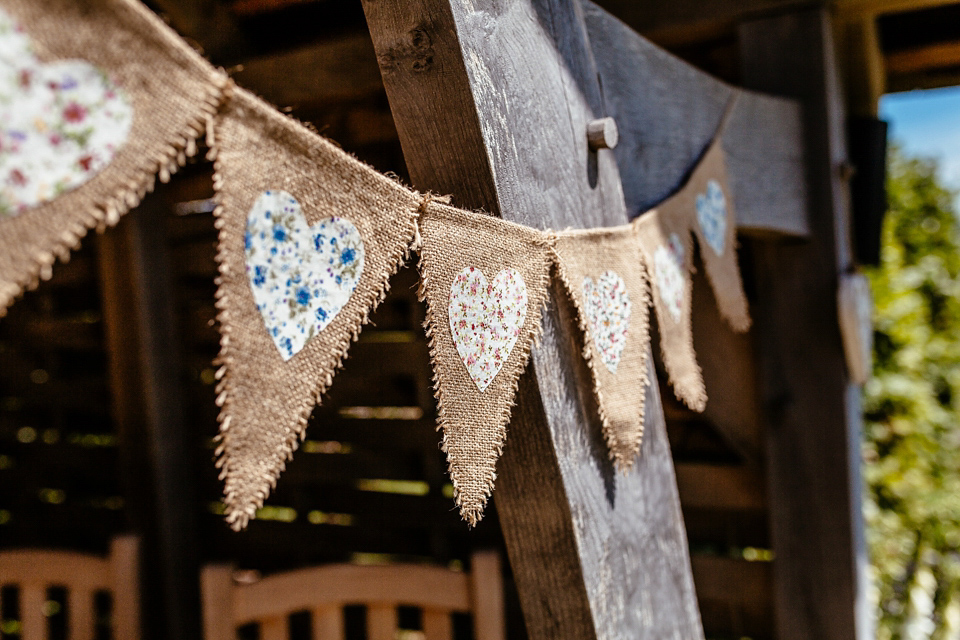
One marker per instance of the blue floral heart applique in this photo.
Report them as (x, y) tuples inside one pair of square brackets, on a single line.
[(301, 275), (712, 217)]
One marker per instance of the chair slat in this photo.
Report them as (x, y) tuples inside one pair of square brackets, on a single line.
[(486, 593), (381, 621), (328, 623), (32, 598), (274, 629), (437, 625), (80, 614)]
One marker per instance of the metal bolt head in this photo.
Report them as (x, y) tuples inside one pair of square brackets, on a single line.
[(603, 134)]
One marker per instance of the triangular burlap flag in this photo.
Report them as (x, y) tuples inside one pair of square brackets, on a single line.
[(707, 199), (485, 282), (98, 97), (603, 272), (667, 246), (309, 238)]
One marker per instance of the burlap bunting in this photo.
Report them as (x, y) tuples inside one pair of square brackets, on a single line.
[(707, 197), (667, 246), (485, 282), (88, 122), (603, 273), (309, 238)]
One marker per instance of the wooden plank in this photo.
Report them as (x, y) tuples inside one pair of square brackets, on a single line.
[(216, 587), (381, 622), (342, 69), (437, 625), (931, 57), (126, 580), (486, 595), (813, 412), (274, 629), (491, 104), (664, 130), (33, 622), (328, 623), (206, 22), (682, 22), (730, 580), (707, 486), (80, 612), (388, 585)]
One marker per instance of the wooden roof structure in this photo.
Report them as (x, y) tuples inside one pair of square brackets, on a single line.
[(104, 428)]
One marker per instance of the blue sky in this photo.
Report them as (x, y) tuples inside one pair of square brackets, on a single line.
[(927, 123)]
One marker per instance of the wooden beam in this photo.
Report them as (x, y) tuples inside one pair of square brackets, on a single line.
[(706, 486), (342, 69), (491, 102), (931, 57), (208, 23), (664, 130), (861, 58), (811, 408), (681, 22), (157, 451)]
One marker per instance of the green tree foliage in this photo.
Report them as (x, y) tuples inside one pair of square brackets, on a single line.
[(912, 423)]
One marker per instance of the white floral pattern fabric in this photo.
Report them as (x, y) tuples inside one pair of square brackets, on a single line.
[(712, 216), (486, 319), (668, 270), (301, 275), (608, 313), (61, 123)]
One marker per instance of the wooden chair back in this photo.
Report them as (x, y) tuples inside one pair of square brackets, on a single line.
[(325, 590), (83, 576)]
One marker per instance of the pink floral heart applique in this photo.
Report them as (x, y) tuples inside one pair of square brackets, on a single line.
[(486, 320), (61, 123), (607, 305), (668, 273)]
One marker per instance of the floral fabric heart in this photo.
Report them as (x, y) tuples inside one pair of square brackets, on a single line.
[(61, 123), (712, 216), (301, 275), (486, 319), (668, 270), (607, 304)]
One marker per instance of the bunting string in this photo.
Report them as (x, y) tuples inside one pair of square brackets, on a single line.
[(309, 238)]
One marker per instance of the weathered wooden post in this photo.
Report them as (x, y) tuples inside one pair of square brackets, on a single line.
[(493, 103)]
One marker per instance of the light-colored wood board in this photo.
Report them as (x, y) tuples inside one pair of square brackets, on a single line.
[(381, 622), (55, 567), (216, 587), (328, 623), (413, 585), (486, 594), (437, 625), (496, 114), (668, 112), (126, 579)]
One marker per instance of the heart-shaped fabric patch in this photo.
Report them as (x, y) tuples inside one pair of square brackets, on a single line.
[(668, 269), (60, 123), (301, 275), (486, 319), (608, 311), (712, 216)]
